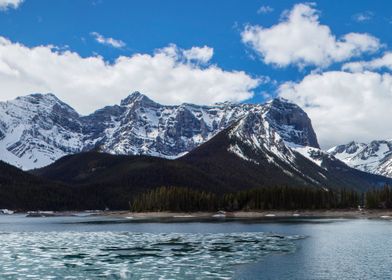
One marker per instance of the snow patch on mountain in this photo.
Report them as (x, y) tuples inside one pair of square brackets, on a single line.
[(311, 154), (374, 157), (235, 149), (38, 129)]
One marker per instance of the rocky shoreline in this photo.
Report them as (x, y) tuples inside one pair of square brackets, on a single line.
[(347, 214), (244, 215)]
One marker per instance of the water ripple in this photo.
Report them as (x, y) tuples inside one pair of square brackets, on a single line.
[(124, 255)]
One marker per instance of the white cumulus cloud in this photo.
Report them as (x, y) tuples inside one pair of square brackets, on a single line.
[(9, 4), (345, 106), (88, 83), (203, 54), (107, 41), (382, 62), (299, 39)]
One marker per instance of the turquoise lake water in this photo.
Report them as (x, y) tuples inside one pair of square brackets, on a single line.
[(102, 248)]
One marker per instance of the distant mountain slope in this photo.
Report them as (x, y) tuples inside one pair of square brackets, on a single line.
[(112, 180), (20, 190), (131, 172), (374, 157)]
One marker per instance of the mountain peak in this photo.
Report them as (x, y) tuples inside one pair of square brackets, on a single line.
[(43, 95), (350, 148), (291, 122), (41, 103), (37, 97), (136, 97), (280, 102)]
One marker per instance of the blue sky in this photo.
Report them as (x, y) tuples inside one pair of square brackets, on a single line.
[(83, 28), (150, 24)]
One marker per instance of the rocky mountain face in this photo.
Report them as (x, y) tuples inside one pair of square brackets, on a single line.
[(291, 122), (37, 129), (141, 126), (374, 157)]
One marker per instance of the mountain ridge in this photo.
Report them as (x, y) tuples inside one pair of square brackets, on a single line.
[(48, 129), (38, 129), (374, 157)]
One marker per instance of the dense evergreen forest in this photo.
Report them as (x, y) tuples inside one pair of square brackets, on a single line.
[(274, 198), (379, 198)]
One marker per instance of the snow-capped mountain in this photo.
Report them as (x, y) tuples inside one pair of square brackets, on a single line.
[(259, 139), (283, 129), (141, 126), (37, 129), (283, 136), (275, 129), (374, 157)]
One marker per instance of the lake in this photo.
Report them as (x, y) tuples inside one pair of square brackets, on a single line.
[(107, 248)]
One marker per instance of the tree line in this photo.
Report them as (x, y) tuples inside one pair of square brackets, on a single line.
[(379, 198), (274, 198)]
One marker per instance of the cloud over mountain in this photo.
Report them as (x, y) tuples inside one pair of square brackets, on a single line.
[(170, 75)]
